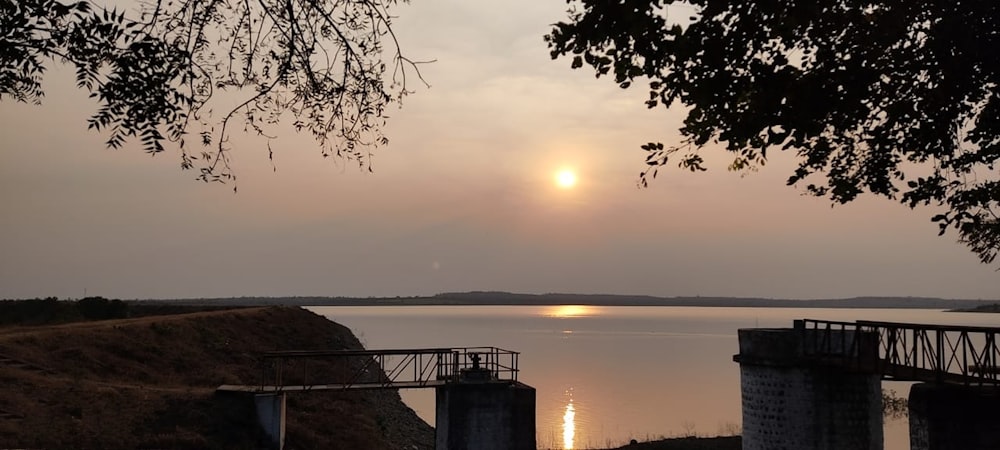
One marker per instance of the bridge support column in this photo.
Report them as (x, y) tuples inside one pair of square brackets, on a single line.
[(948, 417), (791, 403), (486, 416), (271, 417)]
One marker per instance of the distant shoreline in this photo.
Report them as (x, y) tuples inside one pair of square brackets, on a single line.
[(505, 298), (987, 308)]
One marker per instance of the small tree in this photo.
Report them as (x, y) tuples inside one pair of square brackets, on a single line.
[(900, 98)]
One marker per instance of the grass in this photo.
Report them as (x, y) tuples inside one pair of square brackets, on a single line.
[(149, 382)]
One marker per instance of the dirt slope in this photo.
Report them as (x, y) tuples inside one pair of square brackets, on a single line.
[(149, 383)]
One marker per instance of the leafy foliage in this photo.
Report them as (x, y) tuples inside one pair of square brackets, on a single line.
[(894, 406), (900, 98), (330, 67)]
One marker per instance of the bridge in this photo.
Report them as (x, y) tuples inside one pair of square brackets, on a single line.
[(818, 385), (480, 402), (906, 352), (338, 370)]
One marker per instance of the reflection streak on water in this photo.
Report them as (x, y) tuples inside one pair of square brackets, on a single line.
[(569, 425), (564, 311)]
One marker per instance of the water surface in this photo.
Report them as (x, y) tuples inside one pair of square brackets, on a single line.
[(604, 375)]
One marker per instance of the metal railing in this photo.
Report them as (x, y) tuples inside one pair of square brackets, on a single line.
[(303, 370), (905, 351)]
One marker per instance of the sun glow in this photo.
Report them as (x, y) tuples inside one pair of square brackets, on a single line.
[(570, 311), (569, 425), (566, 178)]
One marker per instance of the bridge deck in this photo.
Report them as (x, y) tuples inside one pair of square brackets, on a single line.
[(259, 389), (898, 372), (302, 371), (967, 355)]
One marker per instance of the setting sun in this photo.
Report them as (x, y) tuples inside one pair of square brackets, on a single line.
[(565, 178)]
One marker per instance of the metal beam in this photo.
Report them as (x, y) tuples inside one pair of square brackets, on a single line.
[(337, 370), (914, 352)]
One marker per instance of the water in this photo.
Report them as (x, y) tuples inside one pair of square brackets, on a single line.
[(604, 375)]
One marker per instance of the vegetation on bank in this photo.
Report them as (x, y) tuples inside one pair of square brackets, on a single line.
[(990, 308), (51, 310), (149, 382), (688, 443)]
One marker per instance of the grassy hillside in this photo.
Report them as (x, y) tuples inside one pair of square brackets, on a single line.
[(149, 382)]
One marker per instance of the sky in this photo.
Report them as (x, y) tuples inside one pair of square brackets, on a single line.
[(463, 198)]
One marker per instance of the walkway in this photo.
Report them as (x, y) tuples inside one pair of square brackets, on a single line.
[(906, 352), (337, 370)]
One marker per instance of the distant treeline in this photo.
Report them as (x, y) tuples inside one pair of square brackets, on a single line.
[(52, 310), (990, 308), (507, 298)]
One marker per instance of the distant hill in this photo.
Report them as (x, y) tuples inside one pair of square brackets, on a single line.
[(507, 298)]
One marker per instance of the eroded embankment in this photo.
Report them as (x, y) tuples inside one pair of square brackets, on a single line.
[(149, 383)]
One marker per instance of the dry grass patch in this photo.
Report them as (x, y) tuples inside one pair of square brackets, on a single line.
[(149, 383)]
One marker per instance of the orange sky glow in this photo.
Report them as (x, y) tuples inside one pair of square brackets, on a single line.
[(466, 196)]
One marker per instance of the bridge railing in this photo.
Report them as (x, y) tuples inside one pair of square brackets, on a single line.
[(914, 352), (824, 338), (500, 363), (392, 368)]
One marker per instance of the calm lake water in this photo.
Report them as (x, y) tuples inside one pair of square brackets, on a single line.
[(605, 375)]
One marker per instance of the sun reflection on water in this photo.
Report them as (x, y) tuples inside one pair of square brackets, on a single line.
[(570, 311), (569, 425)]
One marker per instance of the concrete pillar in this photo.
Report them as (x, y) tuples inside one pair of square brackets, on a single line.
[(944, 417), (791, 404), (271, 417), (488, 415)]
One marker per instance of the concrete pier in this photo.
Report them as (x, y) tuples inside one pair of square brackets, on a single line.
[(948, 417), (790, 402), (271, 417), (483, 414)]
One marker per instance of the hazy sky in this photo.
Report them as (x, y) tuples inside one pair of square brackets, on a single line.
[(463, 198)]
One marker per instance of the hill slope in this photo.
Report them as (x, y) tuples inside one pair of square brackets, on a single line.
[(149, 383)]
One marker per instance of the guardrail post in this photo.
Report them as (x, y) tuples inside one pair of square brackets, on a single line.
[(939, 335), (271, 417)]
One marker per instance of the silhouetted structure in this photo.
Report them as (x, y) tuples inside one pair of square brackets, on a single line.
[(480, 403), (818, 385)]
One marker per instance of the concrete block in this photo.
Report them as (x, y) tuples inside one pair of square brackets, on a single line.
[(485, 416)]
